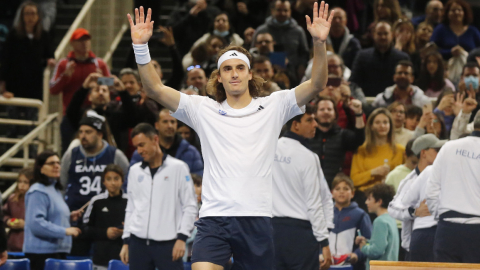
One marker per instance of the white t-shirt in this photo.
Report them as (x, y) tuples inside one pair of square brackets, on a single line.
[(238, 147)]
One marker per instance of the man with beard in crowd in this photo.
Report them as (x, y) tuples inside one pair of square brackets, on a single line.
[(332, 142), (403, 90)]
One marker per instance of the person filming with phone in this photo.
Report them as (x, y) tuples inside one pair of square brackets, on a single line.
[(97, 90)]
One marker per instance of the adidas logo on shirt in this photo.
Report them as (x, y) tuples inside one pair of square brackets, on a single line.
[(105, 209), (233, 54), (260, 108)]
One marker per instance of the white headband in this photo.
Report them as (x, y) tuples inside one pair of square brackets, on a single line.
[(233, 55)]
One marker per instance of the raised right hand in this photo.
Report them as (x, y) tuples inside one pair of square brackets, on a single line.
[(91, 78), (73, 231), (469, 104), (142, 30)]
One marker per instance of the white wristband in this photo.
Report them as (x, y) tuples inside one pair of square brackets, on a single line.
[(142, 54)]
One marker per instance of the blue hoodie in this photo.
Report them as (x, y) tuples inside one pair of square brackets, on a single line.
[(47, 217), (342, 237), (186, 153)]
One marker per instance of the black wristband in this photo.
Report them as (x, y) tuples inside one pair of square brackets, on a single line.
[(359, 114)]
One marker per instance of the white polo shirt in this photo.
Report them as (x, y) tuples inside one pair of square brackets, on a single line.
[(238, 147)]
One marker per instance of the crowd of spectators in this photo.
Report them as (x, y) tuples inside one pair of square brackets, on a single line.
[(396, 73)]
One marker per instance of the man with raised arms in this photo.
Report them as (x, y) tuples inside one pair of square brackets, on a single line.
[(238, 133)]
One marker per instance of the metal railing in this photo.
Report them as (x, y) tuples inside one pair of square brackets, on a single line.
[(52, 139)]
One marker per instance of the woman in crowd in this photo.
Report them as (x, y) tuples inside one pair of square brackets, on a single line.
[(221, 28), (404, 34), (434, 123), (47, 219), (423, 35), (14, 210), (383, 10), (432, 78), (448, 108), (377, 156), (455, 36), (404, 40), (26, 52), (401, 134)]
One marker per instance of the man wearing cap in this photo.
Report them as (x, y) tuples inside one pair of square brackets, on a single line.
[(452, 196), (82, 169), (239, 132), (70, 72), (422, 239), (426, 148)]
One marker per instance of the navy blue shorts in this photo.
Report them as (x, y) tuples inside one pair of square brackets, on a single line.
[(248, 239)]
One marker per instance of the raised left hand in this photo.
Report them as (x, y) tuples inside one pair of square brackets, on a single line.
[(320, 26)]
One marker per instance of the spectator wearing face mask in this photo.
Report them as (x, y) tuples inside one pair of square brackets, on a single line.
[(221, 28), (402, 91), (469, 84)]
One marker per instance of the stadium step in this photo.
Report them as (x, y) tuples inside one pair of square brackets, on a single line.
[(67, 11)]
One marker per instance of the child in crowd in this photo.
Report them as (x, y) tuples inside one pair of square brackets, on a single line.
[(348, 218), (104, 218), (412, 117), (14, 211), (384, 243), (401, 171)]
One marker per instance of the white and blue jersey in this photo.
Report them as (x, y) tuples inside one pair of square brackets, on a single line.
[(85, 175)]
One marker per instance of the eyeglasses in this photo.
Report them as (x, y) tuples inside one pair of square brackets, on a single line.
[(192, 67), (53, 163)]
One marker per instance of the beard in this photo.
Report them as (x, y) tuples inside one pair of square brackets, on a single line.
[(325, 124), (402, 84)]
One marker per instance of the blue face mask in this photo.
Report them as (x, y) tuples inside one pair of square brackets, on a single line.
[(222, 34), (471, 80), (284, 23)]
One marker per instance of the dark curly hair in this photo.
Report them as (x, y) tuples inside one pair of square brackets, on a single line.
[(216, 88), (381, 191)]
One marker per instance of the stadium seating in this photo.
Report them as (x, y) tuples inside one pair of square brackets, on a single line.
[(21, 264), (117, 265), (55, 264)]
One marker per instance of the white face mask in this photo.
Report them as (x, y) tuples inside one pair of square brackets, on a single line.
[(222, 34)]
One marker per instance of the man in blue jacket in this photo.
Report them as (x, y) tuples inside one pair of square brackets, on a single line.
[(173, 144)]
